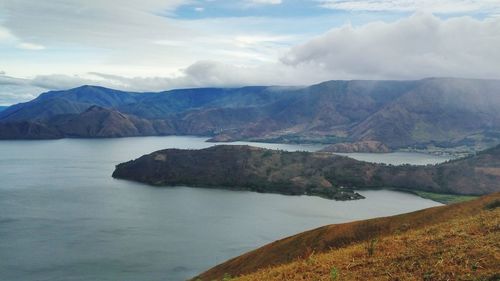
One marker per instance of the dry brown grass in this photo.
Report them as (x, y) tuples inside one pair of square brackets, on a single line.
[(455, 242), (461, 249)]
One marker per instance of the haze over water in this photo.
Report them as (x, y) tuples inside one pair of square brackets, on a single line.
[(62, 216)]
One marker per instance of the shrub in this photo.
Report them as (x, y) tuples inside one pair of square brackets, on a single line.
[(334, 274), (492, 205), (370, 246)]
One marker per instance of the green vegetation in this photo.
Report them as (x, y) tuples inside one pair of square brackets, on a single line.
[(492, 205), (370, 246), (334, 274)]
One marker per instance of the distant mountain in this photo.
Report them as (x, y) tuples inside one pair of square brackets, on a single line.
[(99, 122), (73, 101), (28, 130), (438, 111), (2, 108), (145, 105), (322, 174), (446, 111)]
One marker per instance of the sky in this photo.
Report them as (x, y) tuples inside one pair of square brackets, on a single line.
[(156, 45)]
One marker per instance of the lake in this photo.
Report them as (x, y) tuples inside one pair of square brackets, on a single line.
[(63, 217)]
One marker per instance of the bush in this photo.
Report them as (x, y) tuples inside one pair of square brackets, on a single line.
[(370, 246), (334, 274), (492, 205)]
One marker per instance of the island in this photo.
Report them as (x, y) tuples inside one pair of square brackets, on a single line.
[(240, 167)]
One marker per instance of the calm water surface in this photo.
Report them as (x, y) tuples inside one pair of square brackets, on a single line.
[(398, 158), (62, 216)]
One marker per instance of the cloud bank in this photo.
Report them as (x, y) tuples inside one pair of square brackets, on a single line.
[(434, 6), (419, 46)]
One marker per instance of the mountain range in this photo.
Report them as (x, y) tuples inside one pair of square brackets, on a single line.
[(446, 112)]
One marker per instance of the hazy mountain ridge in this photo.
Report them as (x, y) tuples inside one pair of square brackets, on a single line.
[(440, 111)]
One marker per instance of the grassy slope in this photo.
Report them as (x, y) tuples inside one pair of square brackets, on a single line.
[(460, 239), (462, 249)]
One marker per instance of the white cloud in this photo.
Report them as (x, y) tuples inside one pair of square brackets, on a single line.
[(420, 46), (435, 6), (14, 90), (265, 2), (133, 38), (31, 46), (7, 37), (212, 52), (5, 34), (94, 23), (11, 94)]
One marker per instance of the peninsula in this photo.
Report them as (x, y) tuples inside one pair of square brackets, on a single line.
[(304, 173)]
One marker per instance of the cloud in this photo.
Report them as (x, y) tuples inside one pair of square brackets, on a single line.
[(5, 34), (93, 22), (11, 94), (14, 90), (420, 46), (441, 6), (31, 46), (268, 2), (135, 38)]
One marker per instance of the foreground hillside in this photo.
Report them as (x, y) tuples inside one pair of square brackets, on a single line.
[(441, 112), (295, 173), (455, 242)]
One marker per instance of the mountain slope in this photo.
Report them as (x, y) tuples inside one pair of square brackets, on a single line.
[(28, 130), (166, 104), (73, 101), (453, 242), (437, 110), (94, 122), (100, 122), (329, 108), (145, 105)]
